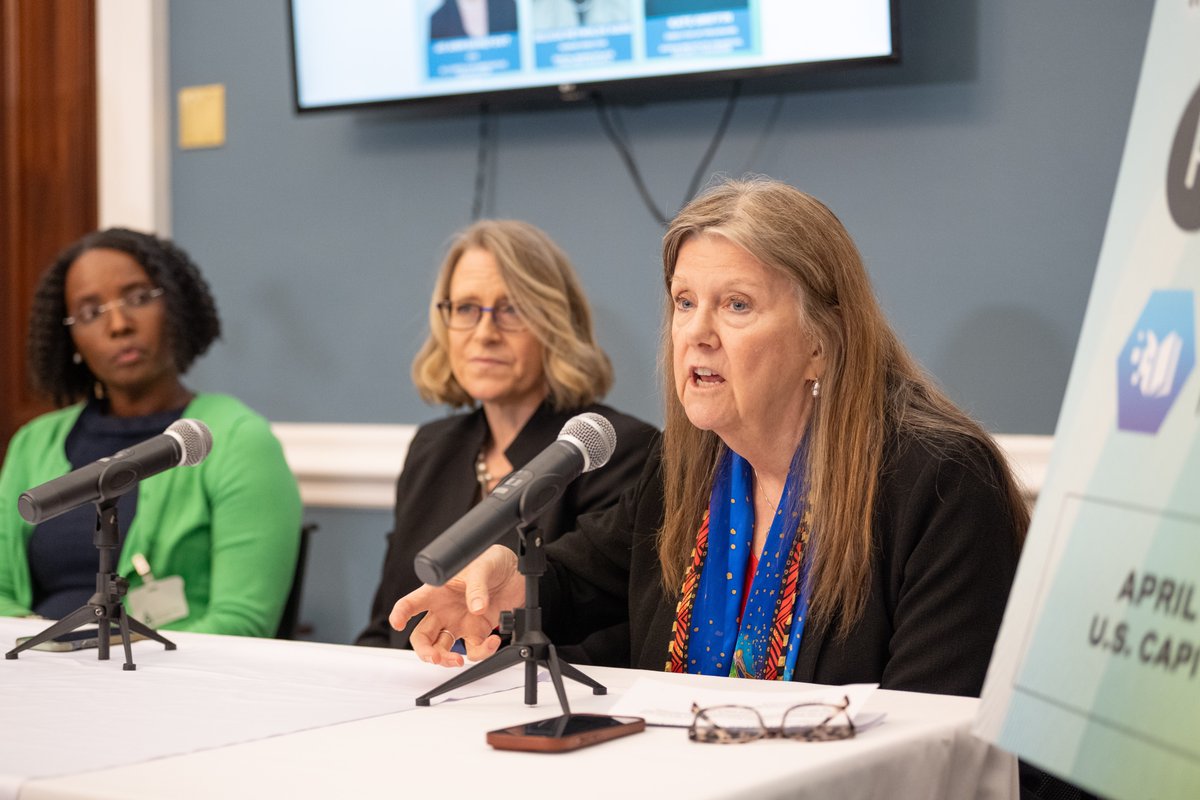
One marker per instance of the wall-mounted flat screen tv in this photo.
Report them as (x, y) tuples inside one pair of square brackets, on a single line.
[(365, 52)]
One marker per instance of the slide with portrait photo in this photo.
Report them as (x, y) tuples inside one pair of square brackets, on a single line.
[(383, 50)]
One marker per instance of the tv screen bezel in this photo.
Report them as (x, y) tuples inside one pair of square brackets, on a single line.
[(635, 90)]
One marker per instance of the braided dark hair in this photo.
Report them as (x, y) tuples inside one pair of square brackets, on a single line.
[(191, 319)]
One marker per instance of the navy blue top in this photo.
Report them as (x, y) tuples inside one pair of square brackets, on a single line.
[(63, 559)]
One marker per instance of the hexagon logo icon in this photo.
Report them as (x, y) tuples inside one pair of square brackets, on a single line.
[(1157, 358)]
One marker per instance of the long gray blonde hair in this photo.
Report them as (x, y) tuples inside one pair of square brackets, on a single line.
[(872, 386)]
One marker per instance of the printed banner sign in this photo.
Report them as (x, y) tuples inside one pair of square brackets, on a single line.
[(1096, 674)]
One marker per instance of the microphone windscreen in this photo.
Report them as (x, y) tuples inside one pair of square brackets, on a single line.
[(194, 438), (594, 436)]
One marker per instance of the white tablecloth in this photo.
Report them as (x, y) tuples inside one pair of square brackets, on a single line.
[(229, 717)]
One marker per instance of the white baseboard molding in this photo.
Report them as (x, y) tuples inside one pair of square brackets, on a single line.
[(1029, 457), (356, 466), (345, 466)]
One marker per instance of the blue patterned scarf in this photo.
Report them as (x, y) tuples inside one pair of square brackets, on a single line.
[(717, 644)]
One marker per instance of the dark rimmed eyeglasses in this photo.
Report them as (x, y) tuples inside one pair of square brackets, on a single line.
[(133, 299), (465, 316), (805, 722)]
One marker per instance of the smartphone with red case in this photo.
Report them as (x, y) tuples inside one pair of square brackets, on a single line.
[(568, 732), (80, 639)]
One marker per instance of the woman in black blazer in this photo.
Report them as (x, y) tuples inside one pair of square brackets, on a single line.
[(511, 336)]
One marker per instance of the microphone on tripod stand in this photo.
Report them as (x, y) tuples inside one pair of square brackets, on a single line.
[(585, 443), (186, 442)]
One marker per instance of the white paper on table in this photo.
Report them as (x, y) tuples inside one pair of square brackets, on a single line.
[(670, 704)]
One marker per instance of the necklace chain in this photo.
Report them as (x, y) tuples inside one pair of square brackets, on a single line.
[(482, 474), (762, 492)]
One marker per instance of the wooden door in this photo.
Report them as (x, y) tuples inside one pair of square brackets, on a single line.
[(48, 174)]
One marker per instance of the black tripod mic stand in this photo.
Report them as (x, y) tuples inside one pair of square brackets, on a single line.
[(529, 643), (104, 607)]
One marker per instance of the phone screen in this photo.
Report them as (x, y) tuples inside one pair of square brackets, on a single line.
[(83, 634), (76, 640), (573, 725)]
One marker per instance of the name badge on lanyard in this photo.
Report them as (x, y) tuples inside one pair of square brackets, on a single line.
[(156, 602)]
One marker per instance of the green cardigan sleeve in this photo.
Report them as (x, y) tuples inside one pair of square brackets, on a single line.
[(15, 595), (35, 455), (230, 527)]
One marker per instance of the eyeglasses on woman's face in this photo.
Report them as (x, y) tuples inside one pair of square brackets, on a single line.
[(806, 722), (465, 316), (133, 299)]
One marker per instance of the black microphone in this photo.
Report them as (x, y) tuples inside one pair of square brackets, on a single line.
[(185, 443), (585, 443)]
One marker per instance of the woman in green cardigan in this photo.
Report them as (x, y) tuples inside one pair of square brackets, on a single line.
[(117, 320)]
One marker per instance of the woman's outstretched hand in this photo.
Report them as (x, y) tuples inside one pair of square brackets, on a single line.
[(467, 607)]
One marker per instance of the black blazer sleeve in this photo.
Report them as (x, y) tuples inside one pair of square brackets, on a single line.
[(607, 571), (426, 504), (438, 485), (945, 553), (949, 556)]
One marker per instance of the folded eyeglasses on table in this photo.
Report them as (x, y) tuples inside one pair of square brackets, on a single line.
[(806, 722)]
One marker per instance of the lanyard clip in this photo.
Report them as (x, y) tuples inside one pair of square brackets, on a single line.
[(142, 566)]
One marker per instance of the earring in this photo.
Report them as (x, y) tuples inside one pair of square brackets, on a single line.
[(816, 388), (77, 358)]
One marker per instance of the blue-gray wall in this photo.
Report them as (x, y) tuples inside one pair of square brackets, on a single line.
[(976, 178)]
